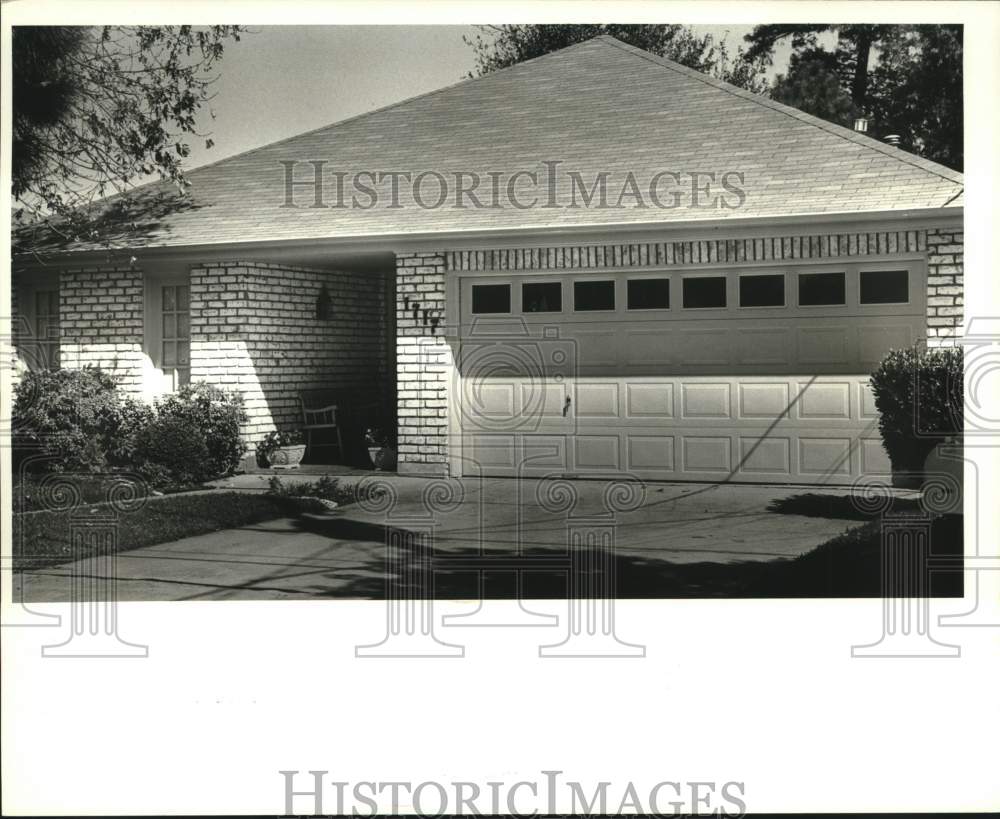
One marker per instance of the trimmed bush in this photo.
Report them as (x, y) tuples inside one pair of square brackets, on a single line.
[(171, 452), (70, 415), (918, 393), (217, 415)]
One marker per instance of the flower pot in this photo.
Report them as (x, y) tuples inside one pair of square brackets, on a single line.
[(287, 457), (383, 458)]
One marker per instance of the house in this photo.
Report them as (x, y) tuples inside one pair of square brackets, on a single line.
[(594, 261)]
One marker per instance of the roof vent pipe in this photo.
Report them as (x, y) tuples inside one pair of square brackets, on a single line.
[(861, 125), (892, 139)]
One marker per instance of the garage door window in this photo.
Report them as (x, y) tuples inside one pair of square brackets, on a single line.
[(704, 291), (884, 287), (491, 298), (648, 294), (594, 295), (541, 297), (762, 291), (826, 289)]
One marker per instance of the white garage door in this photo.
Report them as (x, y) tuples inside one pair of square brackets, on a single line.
[(755, 375)]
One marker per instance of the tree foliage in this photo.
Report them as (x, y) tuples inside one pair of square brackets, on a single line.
[(813, 84), (907, 79), (501, 46), (97, 109)]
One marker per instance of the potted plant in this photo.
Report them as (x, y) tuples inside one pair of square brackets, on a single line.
[(282, 450), (380, 448)]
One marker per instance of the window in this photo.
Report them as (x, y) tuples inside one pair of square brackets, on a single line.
[(47, 328), (648, 294), (594, 295), (541, 297), (704, 291), (884, 287), (176, 333), (762, 291), (491, 298), (821, 289)]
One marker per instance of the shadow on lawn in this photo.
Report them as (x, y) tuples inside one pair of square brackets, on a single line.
[(846, 566)]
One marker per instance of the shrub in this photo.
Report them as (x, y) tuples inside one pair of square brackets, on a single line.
[(172, 452), (70, 415), (134, 417), (918, 393), (217, 415)]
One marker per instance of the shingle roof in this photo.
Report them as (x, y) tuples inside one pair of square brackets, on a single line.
[(599, 106)]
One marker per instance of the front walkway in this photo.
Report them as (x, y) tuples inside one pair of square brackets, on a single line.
[(684, 540)]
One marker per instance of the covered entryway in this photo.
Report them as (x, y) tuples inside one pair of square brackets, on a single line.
[(756, 374)]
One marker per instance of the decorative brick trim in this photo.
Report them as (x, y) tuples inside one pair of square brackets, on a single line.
[(711, 251)]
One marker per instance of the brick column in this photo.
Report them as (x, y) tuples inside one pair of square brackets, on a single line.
[(945, 304), (423, 364)]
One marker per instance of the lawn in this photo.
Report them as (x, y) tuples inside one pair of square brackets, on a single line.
[(42, 533), (42, 538)]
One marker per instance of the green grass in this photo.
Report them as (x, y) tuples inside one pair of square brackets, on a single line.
[(42, 538)]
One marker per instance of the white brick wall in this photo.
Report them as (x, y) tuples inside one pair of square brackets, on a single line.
[(254, 328), (100, 320)]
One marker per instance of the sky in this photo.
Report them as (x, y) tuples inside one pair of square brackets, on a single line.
[(279, 81)]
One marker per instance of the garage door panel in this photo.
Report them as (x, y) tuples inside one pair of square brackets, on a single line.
[(700, 348), (649, 400), (650, 455), (819, 401), (597, 400), (823, 345), (701, 401), (707, 453), (824, 456), (769, 456), (597, 452), (764, 346), (649, 348), (765, 401)]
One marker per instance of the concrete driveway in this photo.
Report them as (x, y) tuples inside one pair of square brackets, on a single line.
[(682, 540)]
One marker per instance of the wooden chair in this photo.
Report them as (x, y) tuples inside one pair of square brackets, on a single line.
[(316, 414)]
